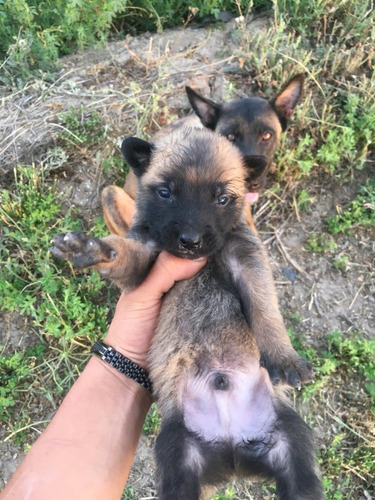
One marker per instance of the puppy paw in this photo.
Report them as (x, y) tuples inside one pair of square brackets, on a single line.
[(292, 371), (81, 250)]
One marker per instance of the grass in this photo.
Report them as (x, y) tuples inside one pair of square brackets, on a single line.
[(359, 212), (320, 243), (67, 310), (345, 358), (328, 143), (34, 33)]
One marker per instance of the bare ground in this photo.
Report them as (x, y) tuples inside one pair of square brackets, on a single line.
[(316, 298)]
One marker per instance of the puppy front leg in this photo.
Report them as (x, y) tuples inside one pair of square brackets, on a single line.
[(252, 277), (124, 261)]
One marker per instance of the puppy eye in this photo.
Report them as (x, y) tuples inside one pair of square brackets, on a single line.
[(164, 193), (231, 137), (267, 136), (223, 200)]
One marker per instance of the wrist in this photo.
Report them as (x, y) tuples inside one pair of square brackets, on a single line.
[(138, 357), (112, 380), (122, 364)]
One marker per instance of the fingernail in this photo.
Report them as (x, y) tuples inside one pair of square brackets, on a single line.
[(200, 259)]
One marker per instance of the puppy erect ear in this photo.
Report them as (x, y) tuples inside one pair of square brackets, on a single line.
[(286, 100), (137, 153), (207, 111)]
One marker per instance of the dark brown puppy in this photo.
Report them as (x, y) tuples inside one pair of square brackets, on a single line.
[(220, 347), (253, 124)]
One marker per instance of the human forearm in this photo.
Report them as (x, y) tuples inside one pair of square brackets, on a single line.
[(87, 450)]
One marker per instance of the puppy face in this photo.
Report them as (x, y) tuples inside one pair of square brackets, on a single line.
[(252, 124), (253, 127), (191, 190)]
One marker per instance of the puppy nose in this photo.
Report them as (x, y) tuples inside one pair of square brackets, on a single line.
[(258, 163), (190, 241)]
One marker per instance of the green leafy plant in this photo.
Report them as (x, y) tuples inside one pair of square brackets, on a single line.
[(304, 200), (61, 304), (341, 263), (15, 370), (355, 355), (320, 243), (228, 494), (361, 211), (152, 422), (33, 33), (128, 494), (82, 127)]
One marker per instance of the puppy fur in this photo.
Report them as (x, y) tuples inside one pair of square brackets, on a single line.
[(220, 357)]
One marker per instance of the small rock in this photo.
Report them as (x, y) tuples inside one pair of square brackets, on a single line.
[(291, 275)]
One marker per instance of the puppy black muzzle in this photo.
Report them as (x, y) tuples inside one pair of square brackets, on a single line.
[(257, 168)]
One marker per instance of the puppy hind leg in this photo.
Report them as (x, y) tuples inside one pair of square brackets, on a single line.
[(178, 463), (118, 210), (292, 459)]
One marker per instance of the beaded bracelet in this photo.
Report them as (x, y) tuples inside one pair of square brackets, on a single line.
[(122, 364)]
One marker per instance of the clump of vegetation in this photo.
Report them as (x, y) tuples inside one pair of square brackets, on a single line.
[(60, 304), (320, 243), (152, 422), (228, 494), (128, 494), (354, 355), (33, 33), (341, 263), (344, 358), (360, 212), (82, 128), (66, 309)]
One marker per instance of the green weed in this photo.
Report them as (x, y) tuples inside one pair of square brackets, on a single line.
[(341, 263), (351, 355), (152, 422), (82, 127), (128, 494), (228, 494), (360, 212), (33, 33), (63, 306), (354, 354), (344, 358), (349, 143), (339, 458), (322, 21), (320, 243), (14, 369), (304, 200)]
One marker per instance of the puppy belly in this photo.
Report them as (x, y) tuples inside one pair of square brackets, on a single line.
[(222, 404)]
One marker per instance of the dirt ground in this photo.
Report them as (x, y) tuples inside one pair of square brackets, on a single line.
[(323, 298)]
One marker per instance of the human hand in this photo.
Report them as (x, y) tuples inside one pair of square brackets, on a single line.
[(136, 315)]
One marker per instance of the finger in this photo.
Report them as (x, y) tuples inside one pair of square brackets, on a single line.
[(165, 272)]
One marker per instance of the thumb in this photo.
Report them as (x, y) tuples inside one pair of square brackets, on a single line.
[(166, 271)]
